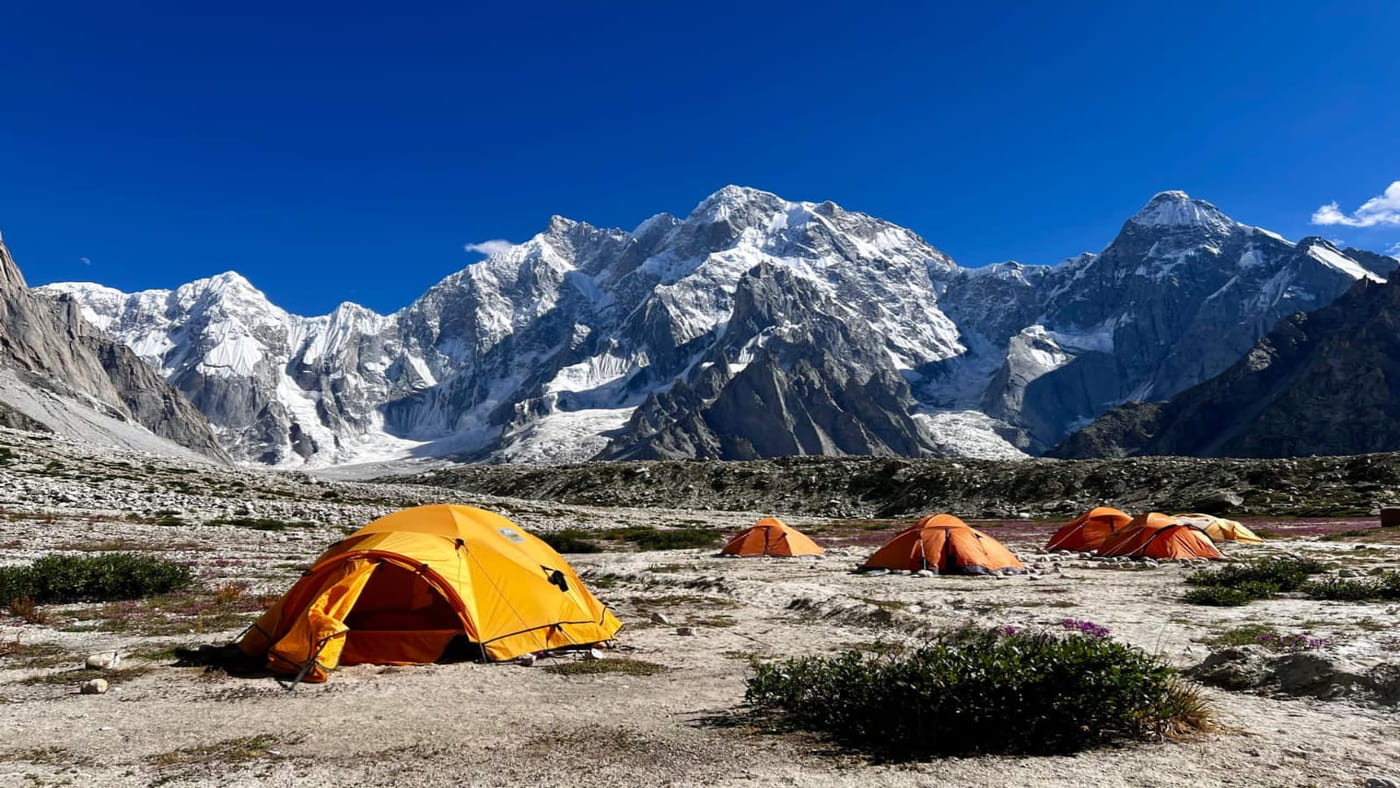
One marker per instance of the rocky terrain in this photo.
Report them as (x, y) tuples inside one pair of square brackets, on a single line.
[(666, 706), (885, 487), (1324, 382), (752, 327)]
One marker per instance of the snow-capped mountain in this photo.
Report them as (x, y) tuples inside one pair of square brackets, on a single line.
[(59, 374), (754, 326)]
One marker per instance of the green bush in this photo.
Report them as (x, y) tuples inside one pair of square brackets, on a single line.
[(1230, 596), (102, 577), (260, 523), (1385, 586), (977, 691), (670, 539), (1240, 584), (571, 540)]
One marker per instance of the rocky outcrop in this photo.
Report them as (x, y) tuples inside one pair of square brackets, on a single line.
[(47, 346), (1325, 382)]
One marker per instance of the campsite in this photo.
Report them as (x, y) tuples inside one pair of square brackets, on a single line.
[(666, 706)]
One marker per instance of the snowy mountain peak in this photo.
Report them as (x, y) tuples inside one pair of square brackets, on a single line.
[(1177, 209), (732, 200)]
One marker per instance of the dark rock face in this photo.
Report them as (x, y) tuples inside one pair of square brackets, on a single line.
[(50, 345), (791, 374), (1326, 382)]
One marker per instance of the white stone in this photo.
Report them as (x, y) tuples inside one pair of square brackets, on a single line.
[(93, 687), (104, 661), (660, 618)]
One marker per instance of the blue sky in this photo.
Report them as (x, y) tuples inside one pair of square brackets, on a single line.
[(338, 151)]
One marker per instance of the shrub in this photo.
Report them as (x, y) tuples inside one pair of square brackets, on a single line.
[(1285, 574), (982, 690), (1385, 586), (571, 540), (260, 523), (106, 576), (1230, 596)]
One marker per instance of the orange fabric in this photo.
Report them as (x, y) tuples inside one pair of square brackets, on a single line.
[(946, 545), (1155, 535), (1090, 530), (771, 536), (435, 572), (315, 640)]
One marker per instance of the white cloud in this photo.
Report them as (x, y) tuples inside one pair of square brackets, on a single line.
[(85, 260), (494, 246), (1382, 210)]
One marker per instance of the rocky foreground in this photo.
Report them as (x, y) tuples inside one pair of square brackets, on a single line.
[(665, 707)]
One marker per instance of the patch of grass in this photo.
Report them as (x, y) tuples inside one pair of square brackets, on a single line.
[(1229, 596), (79, 675), (230, 752), (1243, 635), (593, 667), (27, 611), (571, 540), (1382, 587), (260, 523), (43, 756), (34, 655), (1369, 624), (711, 621), (983, 690)]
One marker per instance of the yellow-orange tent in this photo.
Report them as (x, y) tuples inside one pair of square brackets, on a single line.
[(402, 588), (944, 544), (1220, 529), (1090, 530), (771, 536), (1155, 535)]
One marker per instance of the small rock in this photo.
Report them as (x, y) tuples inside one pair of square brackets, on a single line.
[(1056, 569), (93, 687), (1150, 564), (593, 653), (526, 660), (923, 573), (685, 631), (660, 618), (104, 661), (1382, 782), (1033, 577)]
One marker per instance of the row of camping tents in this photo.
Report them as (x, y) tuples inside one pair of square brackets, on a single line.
[(943, 544)]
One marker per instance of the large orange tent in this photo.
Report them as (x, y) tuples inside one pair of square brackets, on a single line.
[(944, 544), (1220, 529), (1088, 531), (771, 536), (1156, 535), (404, 587)]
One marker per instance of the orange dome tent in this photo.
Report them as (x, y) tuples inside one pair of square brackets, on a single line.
[(1088, 531), (944, 544), (402, 588), (771, 536), (1220, 529), (1155, 535)]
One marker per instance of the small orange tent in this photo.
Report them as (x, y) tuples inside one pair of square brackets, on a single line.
[(771, 536), (1220, 529), (1155, 535), (1088, 531), (944, 544), (404, 587)]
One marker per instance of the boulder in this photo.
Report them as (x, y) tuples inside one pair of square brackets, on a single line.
[(1218, 502), (104, 661), (93, 687), (1236, 668)]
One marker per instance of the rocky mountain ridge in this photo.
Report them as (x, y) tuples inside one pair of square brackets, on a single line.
[(1320, 383), (753, 327), (58, 373)]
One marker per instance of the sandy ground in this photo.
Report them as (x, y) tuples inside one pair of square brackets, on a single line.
[(472, 724)]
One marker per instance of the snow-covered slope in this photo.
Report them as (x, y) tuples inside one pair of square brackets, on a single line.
[(753, 326)]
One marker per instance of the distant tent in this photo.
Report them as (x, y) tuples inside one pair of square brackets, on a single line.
[(1090, 530), (1220, 529), (771, 536), (944, 544), (407, 586), (1155, 535)]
